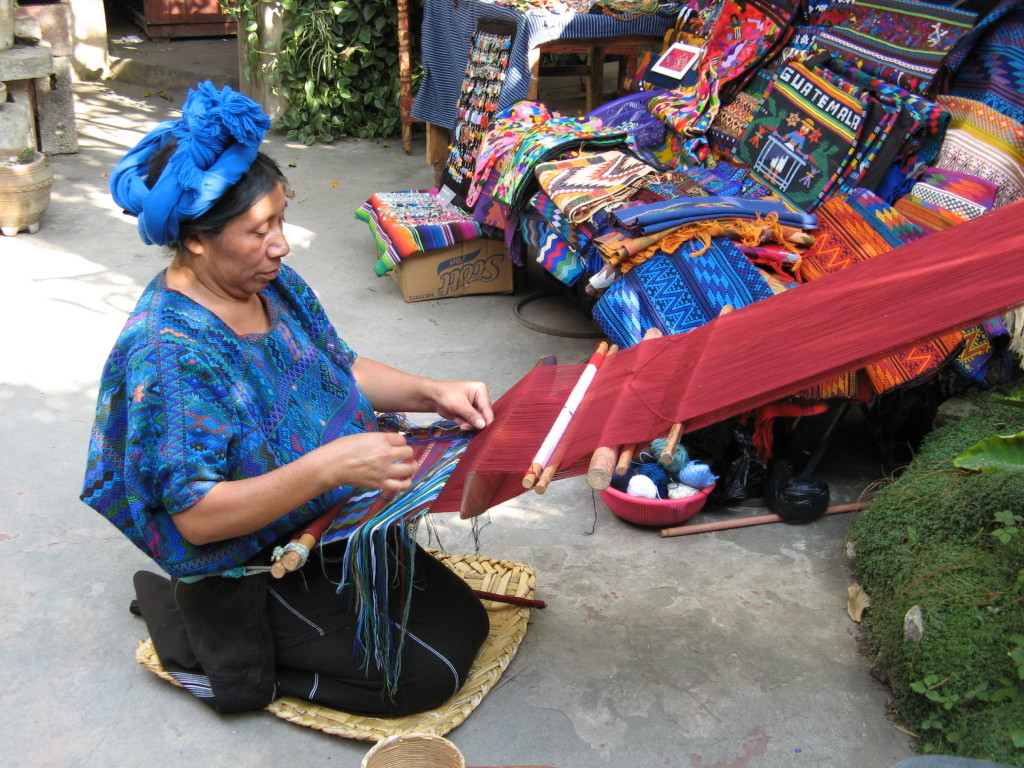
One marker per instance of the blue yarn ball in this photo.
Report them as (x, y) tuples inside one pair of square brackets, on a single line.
[(658, 474), (697, 474)]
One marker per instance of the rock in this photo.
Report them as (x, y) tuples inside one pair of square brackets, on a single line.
[(951, 411), (27, 30), (913, 625)]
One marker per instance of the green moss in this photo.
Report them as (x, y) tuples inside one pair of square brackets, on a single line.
[(926, 541)]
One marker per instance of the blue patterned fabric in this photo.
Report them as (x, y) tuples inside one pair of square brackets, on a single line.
[(184, 403), (447, 36), (677, 292)]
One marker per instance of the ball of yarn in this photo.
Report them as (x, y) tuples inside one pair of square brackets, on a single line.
[(658, 475), (643, 486), (697, 474), (621, 482), (681, 490), (679, 457)]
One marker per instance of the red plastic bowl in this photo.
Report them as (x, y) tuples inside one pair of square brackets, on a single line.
[(660, 512)]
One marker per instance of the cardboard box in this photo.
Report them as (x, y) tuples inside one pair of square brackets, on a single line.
[(475, 266)]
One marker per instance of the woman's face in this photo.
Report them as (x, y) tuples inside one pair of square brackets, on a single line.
[(246, 255)]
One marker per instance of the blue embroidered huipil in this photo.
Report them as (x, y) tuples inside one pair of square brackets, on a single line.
[(185, 403)]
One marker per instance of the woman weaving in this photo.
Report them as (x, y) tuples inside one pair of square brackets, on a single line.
[(230, 415)]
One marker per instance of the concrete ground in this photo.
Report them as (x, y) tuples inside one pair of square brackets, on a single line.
[(723, 649)]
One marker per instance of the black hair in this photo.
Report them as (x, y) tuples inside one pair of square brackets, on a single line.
[(256, 183)]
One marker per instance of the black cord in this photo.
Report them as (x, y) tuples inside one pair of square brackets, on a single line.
[(544, 329)]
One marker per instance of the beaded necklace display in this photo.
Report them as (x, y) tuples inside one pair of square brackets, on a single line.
[(478, 101)]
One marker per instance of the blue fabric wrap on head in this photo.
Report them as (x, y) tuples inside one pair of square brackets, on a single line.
[(218, 135)]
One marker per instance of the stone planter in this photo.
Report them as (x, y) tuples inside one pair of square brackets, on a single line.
[(24, 192)]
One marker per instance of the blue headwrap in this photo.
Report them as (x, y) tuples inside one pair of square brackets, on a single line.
[(218, 136)]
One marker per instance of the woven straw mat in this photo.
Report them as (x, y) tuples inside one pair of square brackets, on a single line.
[(508, 626)]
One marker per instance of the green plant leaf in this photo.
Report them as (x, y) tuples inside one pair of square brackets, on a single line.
[(992, 453)]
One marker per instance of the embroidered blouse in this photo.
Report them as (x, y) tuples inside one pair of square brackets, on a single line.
[(185, 403)]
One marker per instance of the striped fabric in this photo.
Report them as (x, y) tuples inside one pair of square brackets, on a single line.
[(902, 41), (413, 221), (447, 35), (983, 142)]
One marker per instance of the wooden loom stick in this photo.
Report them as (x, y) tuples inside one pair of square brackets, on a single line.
[(624, 459), (293, 559), (549, 471), (543, 455), (602, 466), (743, 522)]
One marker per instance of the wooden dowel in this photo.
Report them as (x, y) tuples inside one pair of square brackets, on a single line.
[(671, 443), (545, 478), (291, 560), (602, 467), (743, 522), (624, 459), (510, 599)]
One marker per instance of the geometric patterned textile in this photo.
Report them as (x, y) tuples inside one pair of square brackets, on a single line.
[(546, 207), (677, 291), (582, 185), (852, 228), (185, 403), (967, 196), (900, 41), (740, 37), (983, 142), (413, 221), (858, 227), (988, 64)]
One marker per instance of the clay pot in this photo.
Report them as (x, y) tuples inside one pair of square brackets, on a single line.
[(24, 192)]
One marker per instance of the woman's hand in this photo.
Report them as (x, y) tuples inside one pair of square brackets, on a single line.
[(467, 403), (368, 460), (238, 507), (388, 389)]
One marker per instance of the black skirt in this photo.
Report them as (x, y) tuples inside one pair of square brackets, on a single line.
[(237, 644)]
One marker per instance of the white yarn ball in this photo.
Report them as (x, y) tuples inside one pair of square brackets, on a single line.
[(680, 490), (643, 486)]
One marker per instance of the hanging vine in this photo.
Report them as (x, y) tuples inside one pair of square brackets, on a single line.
[(337, 67)]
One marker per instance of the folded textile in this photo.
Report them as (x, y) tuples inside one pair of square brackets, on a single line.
[(966, 195), (677, 291), (654, 217), (576, 237), (983, 142), (903, 41), (553, 252), (412, 221), (579, 186)]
